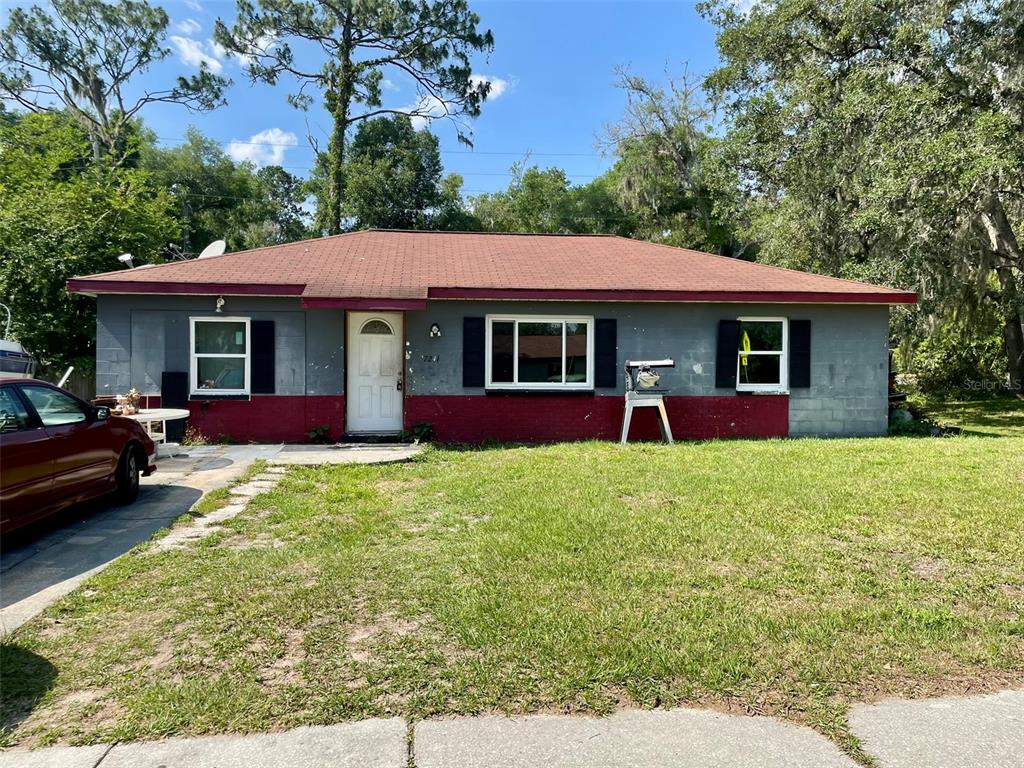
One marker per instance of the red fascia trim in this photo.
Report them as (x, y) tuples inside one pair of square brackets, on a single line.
[(776, 297), (314, 302), (213, 289)]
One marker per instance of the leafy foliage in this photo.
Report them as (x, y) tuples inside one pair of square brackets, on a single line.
[(957, 360), (884, 135), (427, 41), (66, 215), (393, 178), (544, 201), (83, 55), (217, 198), (668, 175)]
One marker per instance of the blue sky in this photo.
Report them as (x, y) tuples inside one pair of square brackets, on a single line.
[(552, 68)]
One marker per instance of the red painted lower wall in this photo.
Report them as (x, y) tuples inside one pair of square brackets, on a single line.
[(503, 418), (547, 418), (264, 418)]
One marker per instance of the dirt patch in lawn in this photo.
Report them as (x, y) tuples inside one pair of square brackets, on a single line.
[(960, 681), (91, 709), (928, 568), (164, 655), (286, 668), (260, 541), (362, 637)]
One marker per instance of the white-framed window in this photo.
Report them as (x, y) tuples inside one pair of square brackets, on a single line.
[(220, 358), (762, 359), (539, 352)]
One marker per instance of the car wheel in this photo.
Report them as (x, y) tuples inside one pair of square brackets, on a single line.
[(128, 476)]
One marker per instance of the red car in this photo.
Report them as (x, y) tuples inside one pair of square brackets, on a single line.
[(57, 450)]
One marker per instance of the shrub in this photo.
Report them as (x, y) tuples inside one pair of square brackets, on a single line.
[(193, 436), (320, 434), (421, 432), (959, 362)]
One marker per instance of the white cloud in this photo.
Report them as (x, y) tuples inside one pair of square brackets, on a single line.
[(388, 85), (195, 5), (194, 53), (264, 148), (498, 86), (427, 108), (188, 26), (264, 44), (430, 108)]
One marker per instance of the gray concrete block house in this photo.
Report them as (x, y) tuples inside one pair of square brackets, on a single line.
[(492, 336)]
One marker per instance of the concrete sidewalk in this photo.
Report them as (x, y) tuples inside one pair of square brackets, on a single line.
[(44, 567), (952, 732)]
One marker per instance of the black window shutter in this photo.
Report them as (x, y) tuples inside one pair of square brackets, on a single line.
[(728, 349), (262, 376), (174, 394), (606, 374), (473, 352), (799, 353)]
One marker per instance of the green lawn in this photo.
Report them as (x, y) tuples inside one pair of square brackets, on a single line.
[(990, 417), (786, 577)]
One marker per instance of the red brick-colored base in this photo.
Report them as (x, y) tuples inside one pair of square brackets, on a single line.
[(504, 418), (549, 418), (268, 418)]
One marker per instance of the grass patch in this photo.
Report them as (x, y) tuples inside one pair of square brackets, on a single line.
[(219, 497), (986, 417), (783, 577)]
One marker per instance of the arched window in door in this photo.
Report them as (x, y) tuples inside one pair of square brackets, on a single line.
[(376, 328)]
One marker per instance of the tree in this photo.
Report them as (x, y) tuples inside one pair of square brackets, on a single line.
[(84, 58), (217, 198), (427, 41), (669, 174), (544, 201), (887, 138), (393, 175), (285, 218), (64, 215), (536, 201), (452, 213)]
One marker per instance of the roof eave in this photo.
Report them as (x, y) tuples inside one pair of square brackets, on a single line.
[(731, 297), (94, 287)]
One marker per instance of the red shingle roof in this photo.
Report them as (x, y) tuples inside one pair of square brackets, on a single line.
[(409, 267)]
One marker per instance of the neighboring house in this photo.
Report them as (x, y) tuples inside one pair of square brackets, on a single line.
[(492, 336)]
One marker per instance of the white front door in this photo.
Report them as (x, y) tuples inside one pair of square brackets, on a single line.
[(375, 365)]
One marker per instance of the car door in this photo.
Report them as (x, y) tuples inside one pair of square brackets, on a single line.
[(26, 464), (80, 443)]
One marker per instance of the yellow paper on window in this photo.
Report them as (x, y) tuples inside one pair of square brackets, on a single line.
[(746, 348)]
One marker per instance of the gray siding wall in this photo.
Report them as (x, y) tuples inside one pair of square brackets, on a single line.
[(140, 337), (849, 353)]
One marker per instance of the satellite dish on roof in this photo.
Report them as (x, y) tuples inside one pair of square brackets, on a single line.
[(216, 248)]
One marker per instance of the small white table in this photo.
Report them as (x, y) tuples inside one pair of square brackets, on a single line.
[(149, 416)]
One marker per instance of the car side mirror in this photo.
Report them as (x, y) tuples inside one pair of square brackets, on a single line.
[(102, 413)]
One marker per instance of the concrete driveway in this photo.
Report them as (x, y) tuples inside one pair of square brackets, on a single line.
[(40, 565)]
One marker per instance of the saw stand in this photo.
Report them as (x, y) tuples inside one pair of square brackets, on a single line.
[(640, 397)]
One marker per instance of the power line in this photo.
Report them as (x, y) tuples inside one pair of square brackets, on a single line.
[(507, 153)]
